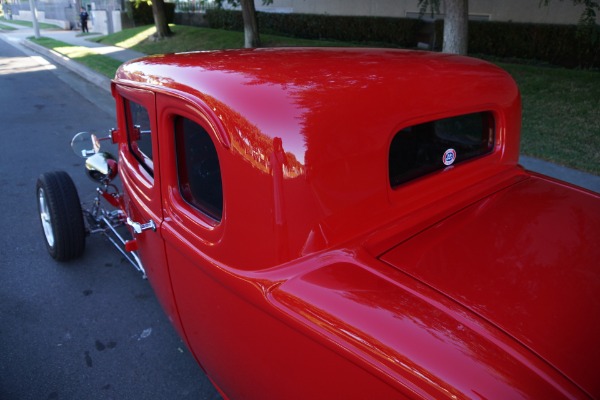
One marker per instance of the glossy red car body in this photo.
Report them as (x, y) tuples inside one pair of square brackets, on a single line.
[(321, 280)]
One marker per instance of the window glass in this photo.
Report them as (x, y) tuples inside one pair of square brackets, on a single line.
[(139, 134), (421, 149), (198, 168)]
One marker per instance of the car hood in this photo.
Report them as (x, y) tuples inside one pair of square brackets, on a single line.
[(527, 260)]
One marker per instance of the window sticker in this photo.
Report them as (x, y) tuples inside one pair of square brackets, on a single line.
[(449, 157)]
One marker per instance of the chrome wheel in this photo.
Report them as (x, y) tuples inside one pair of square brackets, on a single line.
[(45, 217)]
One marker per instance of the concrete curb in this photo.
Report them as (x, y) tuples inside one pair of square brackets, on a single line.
[(92, 76), (579, 178)]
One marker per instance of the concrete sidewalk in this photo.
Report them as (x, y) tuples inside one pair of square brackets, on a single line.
[(19, 37), (72, 37), (579, 178)]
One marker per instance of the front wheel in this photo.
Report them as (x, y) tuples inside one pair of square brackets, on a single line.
[(60, 213)]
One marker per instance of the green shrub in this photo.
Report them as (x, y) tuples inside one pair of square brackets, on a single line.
[(391, 31), (565, 45), (382, 30), (218, 18)]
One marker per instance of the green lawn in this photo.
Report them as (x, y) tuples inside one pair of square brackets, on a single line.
[(6, 27), (187, 38), (561, 115), (29, 24), (561, 107)]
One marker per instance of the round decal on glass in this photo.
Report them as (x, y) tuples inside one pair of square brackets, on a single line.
[(449, 157)]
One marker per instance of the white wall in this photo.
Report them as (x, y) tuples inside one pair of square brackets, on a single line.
[(558, 12), (25, 15), (99, 21)]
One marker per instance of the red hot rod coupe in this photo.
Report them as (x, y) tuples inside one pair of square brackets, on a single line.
[(344, 223)]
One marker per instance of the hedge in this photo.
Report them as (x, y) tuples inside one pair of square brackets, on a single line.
[(381, 30), (563, 45), (141, 13)]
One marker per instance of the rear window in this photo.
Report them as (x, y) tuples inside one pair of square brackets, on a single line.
[(422, 149)]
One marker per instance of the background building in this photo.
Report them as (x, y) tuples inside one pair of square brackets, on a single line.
[(557, 12), (106, 14)]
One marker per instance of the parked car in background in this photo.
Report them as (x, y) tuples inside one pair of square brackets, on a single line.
[(344, 223)]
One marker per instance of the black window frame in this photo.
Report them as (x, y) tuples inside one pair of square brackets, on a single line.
[(194, 192), (136, 134), (422, 149)]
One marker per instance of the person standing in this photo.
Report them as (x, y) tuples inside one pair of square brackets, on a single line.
[(83, 17)]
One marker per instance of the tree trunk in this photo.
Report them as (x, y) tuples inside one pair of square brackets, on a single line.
[(160, 19), (456, 26), (36, 26), (251, 37)]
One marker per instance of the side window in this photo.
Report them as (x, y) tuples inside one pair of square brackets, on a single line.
[(198, 168), (139, 135), (422, 149)]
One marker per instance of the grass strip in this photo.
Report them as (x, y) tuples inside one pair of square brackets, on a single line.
[(561, 115), (188, 38), (7, 28), (106, 66), (29, 24)]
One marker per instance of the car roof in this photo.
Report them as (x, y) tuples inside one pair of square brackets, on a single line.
[(287, 88)]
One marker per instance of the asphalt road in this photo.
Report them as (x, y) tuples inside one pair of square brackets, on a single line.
[(90, 329)]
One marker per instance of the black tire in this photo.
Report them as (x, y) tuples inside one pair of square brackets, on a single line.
[(60, 215)]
